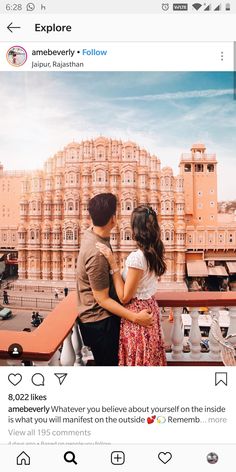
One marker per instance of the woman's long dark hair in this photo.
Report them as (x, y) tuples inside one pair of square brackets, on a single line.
[(147, 234)]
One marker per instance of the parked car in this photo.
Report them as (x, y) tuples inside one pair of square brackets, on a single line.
[(5, 314), (203, 310)]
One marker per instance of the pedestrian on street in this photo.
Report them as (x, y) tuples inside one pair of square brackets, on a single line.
[(185, 310), (5, 297), (66, 290), (56, 293)]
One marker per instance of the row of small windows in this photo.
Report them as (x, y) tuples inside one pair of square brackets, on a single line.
[(69, 205), (6, 188), (167, 235), (11, 237), (200, 192), (212, 217), (199, 167), (34, 235), (73, 205), (213, 237), (100, 176), (200, 205)]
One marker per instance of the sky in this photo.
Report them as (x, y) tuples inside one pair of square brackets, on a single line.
[(164, 112)]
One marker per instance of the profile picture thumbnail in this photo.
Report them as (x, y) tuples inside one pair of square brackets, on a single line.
[(16, 56), (212, 458)]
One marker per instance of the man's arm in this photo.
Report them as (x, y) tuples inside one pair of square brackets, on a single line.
[(97, 268), (143, 318)]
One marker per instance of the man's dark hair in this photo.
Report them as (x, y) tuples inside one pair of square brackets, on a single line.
[(102, 207)]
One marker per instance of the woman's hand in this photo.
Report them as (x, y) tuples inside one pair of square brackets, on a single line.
[(107, 253)]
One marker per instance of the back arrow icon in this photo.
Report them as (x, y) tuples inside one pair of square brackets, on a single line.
[(10, 27)]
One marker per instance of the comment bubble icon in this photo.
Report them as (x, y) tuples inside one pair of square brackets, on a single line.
[(38, 380)]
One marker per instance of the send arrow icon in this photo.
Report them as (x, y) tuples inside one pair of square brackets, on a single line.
[(61, 377)]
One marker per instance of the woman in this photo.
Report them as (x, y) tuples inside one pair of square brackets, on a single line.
[(140, 346)]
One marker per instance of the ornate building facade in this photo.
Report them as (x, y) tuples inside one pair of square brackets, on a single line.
[(54, 206), (44, 213)]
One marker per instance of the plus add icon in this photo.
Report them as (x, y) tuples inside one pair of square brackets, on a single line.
[(117, 457)]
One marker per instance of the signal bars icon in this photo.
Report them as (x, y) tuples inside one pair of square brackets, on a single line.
[(209, 7)]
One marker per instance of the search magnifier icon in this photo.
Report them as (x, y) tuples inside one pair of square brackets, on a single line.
[(69, 457)]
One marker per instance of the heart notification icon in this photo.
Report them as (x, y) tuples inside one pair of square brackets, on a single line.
[(164, 457)]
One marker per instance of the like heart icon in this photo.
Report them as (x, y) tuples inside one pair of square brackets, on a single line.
[(15, 379), (150, 420), (164, 457)]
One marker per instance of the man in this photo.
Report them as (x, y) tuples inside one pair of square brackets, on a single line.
[(5, 297), (98, 301)]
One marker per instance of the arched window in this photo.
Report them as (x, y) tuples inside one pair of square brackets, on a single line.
[(127, 235), (128, 205), (128, 177), (69, 235), (70, 205), (167, 205), (100, 152), (210, 168), (167, 235), (71, 177), (100, 176)]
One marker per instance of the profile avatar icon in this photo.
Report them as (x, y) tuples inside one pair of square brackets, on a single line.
[(212, 458), (15, 350), (16, 56)]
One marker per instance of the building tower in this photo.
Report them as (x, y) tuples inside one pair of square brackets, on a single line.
[(200, 186)]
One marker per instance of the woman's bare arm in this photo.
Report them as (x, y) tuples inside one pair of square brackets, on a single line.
[(125, 290)]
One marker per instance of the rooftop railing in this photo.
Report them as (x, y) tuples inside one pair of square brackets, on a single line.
[(198, 157), (57, 341)]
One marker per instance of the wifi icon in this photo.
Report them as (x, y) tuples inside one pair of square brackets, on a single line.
[(197, 6)]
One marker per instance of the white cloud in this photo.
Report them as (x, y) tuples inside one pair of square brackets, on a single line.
[(210, 93)]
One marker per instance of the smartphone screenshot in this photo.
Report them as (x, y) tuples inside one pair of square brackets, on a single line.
[(117, 235)]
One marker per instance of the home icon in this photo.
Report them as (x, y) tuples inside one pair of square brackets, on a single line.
[(23, 459)]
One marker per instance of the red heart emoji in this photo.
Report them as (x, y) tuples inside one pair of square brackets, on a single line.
[(150, 420)]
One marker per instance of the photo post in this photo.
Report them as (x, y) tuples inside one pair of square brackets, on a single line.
[(117, 236)]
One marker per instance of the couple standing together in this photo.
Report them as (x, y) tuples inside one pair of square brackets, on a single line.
[(119, 317)]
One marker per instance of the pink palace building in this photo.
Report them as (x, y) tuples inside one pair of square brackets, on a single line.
[(53, 210)]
